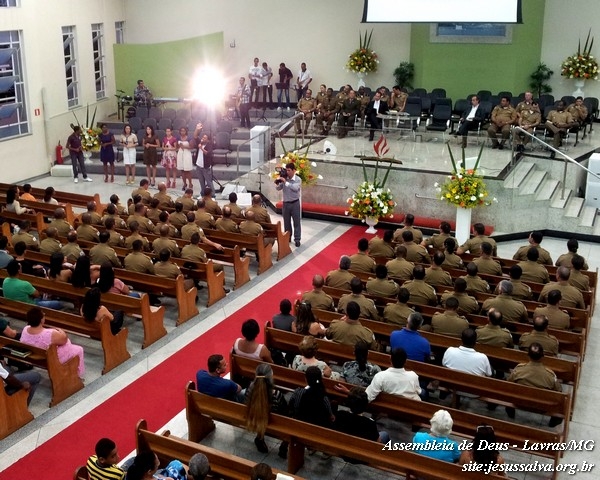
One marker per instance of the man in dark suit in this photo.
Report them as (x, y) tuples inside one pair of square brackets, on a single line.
[(349, 110), (376, 107), (470, 119)]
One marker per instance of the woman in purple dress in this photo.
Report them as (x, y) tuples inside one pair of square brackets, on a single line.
[(107, 152)]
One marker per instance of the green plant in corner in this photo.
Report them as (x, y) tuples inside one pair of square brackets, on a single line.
[(539, 78), (404, 73)]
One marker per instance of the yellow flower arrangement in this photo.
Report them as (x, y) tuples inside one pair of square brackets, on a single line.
[(303, 167), (582, 65), (363, 59), (90, 141)]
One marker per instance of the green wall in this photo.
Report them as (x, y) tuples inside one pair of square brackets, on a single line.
[(467, 68), (166, 68)]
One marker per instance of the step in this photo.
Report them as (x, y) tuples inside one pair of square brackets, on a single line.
[(588, 216), (557, 202), (533, 182), (547, 189), (573, 207), (515, 178)]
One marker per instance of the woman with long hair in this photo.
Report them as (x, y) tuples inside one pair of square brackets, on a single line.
[(108, 283), (92, 310), (107, 152), (360, 371), (49, 196), (185, 163), (306, 323), (144, 467), (262, 398), (151, 145), (129, 141), (12, 201), (58, 271), (480, 453), (84, 274), (310, 404), (169, 157)]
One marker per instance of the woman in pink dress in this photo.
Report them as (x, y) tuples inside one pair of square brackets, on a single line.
[(169, 157), (39, 336)]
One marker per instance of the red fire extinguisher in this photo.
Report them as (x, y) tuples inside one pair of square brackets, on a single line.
[(59, 158)]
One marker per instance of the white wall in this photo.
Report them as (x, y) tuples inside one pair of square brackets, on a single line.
[(321, 33), (41, 23), (565, 23)]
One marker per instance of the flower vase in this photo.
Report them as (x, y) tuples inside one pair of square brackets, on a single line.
[(361, 79), (87, 156), (463, 224), (371, 222), (579, 84)]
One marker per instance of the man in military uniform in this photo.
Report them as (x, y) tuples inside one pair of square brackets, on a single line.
[(204, 219), (327, 107), (91, 208), (364, 99), (436, 242), (529, 118), (164, 242), (153, 210), (535, 239), (71, 250), (120, 209), (512, 310), (559, 122), (178, 218), (210, 205), (436, 275), (473, 245), (571, 296), (260, 212), (165, 268), (525, 104), (145, 225), (137, 261), (135, 235), (449, 322), (521, 291), (557, 318), (187, 200), (475, 283), (367, 306), (485, 263), (540, 335), (317, 297), (163, 219), (533, 271), (250, 227), (62, 226), (190, 227), (565, 259), (50, 244), (466, 303), (321, 93), (361, 261), (535, 374), (397, 99), (342, 95), (414, 252), (452, 260), (165, 200), (382, 286), (578, 111), (236, 210), (225, 223), (193, 252), (492, 333), (85, 231), (24, 236), (306, 105), (420, 292), (503, 117), (578, 279), (143, 192), (111, 212), (348, 111), (382, 247), (349, 330), (135, 200), (103, 253), (398, 313), (341, 277), (399, 267), (409, 221)]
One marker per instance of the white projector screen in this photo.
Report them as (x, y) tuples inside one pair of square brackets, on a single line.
[(442, 11)]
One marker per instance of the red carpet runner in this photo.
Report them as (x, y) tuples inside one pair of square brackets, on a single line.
[(158, 395)]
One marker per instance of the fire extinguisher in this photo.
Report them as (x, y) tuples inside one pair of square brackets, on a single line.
[(59, 158)]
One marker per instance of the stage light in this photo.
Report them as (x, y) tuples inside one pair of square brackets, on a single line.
[(209, 86)]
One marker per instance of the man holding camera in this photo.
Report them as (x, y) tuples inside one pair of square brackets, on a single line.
[(291, 185)]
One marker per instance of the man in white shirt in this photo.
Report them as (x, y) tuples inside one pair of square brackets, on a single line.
[(470, 119), (264, 84), (465, 358), (395, 380), (254, 75), (303, 80)]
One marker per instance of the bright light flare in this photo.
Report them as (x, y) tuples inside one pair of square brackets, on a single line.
[(209, 86)]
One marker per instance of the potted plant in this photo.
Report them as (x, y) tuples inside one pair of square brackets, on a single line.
[(539, 79), (404, 74)]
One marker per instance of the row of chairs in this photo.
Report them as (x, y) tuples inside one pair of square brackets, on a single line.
[(195, 111), (138, 123)]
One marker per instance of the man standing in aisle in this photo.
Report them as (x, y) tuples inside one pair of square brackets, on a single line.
[(291, 185)]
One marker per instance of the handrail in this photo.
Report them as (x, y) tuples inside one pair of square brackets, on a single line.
[(566, 159)]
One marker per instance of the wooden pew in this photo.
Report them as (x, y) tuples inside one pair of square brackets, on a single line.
[(46, 208), (408, 410), (152, 317), (254, 244), (13, 412), (36, 219), (167, 447), (274, 230), (202, 409), (114, 347), (75, 199), (63, 376)]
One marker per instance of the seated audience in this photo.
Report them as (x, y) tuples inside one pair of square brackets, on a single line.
[(521, 291), (571, 296), (311, 404), (360, 261), (398, 313), (466, 303), (473, 245), (485, 263), (248, 346), (420, 292), (211, 382), (382, 286), (565, 259), (449, 322), (533, 271), (359, 371), (13, 382), (512, 310), (480, 453), (540, 335), (306, 323), (103, 465), (317, 298), (492, 333), (465, 358), (199, 467), (23, 291), (341, 277), (535, 239), (58, 270), (284, 319), (382, 247), (308, 350), (399, 267), (395, 380), (349, 330), (367, 306), (441, 427), (435, 274), (92, 310), (409, 221), (557, 318)]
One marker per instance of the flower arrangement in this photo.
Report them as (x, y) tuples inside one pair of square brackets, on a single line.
[(363, 59), (90, 141), (372, 199), (582, 65), (300, 160), (465, 187)]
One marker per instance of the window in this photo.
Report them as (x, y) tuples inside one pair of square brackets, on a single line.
[(470, 33), (120, 32), (98, 52), (9, 3), (68, 38), (13, 111)]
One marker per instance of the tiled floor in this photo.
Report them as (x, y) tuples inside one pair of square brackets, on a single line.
[(316, 235)]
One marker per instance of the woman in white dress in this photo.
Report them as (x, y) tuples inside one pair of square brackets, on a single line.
[(129, 141), (185, 163)]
